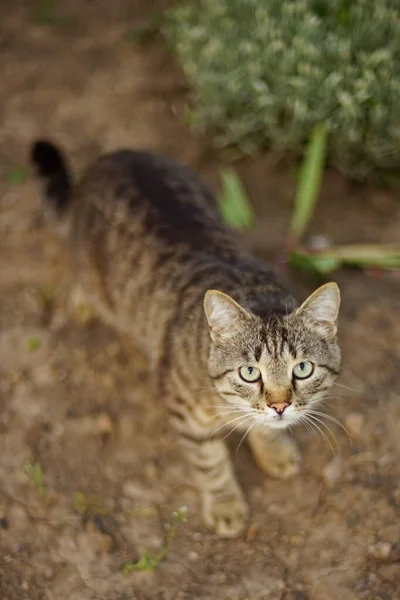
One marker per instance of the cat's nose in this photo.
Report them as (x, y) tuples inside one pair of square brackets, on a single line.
[(280, 407)]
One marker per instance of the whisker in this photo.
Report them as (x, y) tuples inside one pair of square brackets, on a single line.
[(205, 391), (246, 433), (227, 413), (237, 426), (229, 423), (307, 425), (315, 429), (330, 418), (314, 418), (346, 387), (311, 420)]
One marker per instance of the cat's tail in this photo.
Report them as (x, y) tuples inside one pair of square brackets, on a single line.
[(52, 168)]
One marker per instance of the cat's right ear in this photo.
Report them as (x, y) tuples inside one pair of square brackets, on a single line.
[(323, 306), (222, 313)]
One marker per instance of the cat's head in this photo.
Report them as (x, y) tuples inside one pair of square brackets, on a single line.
[(277, 368)]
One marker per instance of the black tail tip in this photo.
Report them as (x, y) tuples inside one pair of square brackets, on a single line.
[(47, 158), (51, 166)]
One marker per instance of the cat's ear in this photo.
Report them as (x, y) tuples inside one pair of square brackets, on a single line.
[(222, 312), (323, 305)]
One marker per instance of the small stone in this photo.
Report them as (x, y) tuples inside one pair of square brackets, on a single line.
[(197, 536), (193, 556), (381, 550), (354, 423), (332, 472), (218, 578), (133, 489)]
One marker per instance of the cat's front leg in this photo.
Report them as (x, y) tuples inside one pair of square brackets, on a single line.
[(275, 453), (224, 508)]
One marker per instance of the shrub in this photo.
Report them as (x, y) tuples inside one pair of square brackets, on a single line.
[(264, 72)]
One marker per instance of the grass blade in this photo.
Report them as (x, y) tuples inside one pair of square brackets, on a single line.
[(309, 182), (363, 256), (234, 204)]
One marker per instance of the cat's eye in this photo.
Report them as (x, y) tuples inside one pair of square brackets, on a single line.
[(249, 374), (303, 370)]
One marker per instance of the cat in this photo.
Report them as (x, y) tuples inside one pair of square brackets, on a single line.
[(229, 346)]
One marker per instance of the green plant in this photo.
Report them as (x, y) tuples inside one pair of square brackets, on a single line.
[(32, 343), (234, 205), (263, 74), (35, 474), (236, 210), (18, 175), (150, 562)]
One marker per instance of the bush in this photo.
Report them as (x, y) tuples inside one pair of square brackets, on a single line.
[(264, 72)]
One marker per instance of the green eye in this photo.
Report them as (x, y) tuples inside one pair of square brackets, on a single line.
[(303, 370), (249, 374)]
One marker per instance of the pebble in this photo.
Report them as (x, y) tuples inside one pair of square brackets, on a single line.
[(332, 472), (193, 556), (381, 550), (133, 490), (354, 423)]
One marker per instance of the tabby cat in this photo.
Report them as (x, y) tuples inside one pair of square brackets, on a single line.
[(229, 346)]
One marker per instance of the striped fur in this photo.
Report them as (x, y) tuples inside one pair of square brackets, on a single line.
[(148, 245)]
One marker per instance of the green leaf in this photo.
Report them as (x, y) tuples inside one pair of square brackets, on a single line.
[(18, 175), (364, 256), (309, 181), (32, 343), (148, 562), (234, 204)]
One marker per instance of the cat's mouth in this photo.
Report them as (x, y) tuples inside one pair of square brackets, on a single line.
[(275, 420)]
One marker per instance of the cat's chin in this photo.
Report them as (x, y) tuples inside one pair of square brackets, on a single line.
[(273, 422), (282, 424)]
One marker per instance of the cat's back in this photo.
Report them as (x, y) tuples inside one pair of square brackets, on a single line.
[(148, 195)]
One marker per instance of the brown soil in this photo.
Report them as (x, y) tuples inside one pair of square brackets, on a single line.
[(78, 400)]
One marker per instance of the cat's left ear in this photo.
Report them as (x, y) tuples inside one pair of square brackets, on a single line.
[(323, 306), (223, 313)]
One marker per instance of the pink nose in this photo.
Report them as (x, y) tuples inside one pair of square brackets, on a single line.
[(279, 408)]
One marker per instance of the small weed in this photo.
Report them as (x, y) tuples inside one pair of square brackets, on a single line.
[(148, 562), (35, 474), (81, 503), (18, 175), (323, 261), (32, 343)]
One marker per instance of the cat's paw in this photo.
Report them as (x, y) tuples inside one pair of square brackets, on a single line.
[(226, 517), (280, 459)]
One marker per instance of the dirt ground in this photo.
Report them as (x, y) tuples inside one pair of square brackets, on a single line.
[(77, 399)]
